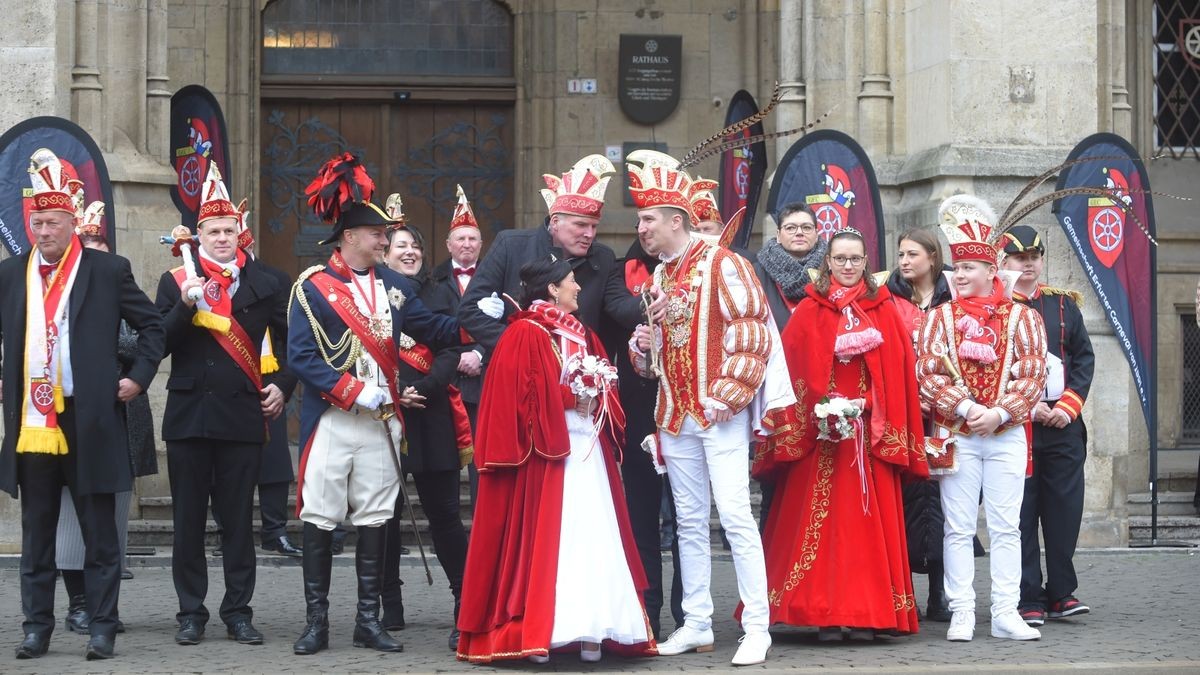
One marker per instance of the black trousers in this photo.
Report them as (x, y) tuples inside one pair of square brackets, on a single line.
[(229, 470), (643, 497), (439, 495), (272, 507), (1053, 500), (41, 479)]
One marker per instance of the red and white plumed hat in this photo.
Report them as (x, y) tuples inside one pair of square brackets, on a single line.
[(703, 201), (53, 188), (463, 215), (91, 222), (969, 224), (214, 198), (580, 191), (655, 180)]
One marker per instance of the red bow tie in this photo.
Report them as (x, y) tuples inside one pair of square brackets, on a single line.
[(47, 270), (465, 271)]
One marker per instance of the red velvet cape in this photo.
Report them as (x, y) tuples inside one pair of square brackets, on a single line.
[(508, 588)]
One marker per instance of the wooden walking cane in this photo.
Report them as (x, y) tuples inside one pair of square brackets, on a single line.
[(386, 413)]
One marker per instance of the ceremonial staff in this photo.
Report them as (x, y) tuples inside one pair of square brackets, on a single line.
[(182, 245), (387, 412)]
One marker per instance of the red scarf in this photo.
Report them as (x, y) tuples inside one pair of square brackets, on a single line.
[(216, 288), (571, 327), (857, 334), (980, 328)]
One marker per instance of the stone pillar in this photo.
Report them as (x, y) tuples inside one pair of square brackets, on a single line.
[(87, 92), (875, 96), (158, 97), (1117, 112), (793, 41)]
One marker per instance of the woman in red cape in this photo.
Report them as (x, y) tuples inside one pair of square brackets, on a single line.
[(835, 544), (552, 560)]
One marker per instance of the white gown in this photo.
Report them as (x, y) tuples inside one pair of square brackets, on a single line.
[(595, 599)]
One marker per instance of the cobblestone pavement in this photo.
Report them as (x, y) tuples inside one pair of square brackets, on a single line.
[(1145, 617)]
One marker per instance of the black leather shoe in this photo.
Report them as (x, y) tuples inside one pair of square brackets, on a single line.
[(316, 635), (99, 647), (373, 635), (283, 546), (33, 646), (126, 574), (191, 632), (78, 620), (243, 632), (454, 634)]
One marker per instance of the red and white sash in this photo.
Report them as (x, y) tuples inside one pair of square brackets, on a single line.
[(46, 306)]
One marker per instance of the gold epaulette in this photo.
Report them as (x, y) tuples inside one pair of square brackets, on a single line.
[(1074, 295)]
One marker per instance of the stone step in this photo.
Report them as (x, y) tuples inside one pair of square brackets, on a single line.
[(1169, 504), (1185, 528)]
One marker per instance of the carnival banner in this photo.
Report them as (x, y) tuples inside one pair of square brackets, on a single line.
[(742, 169), (197, 138), (79, 155), (1118, 258), (831, 172)]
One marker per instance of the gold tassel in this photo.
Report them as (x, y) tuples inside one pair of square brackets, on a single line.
[(466, 456), (60, 401), (269, 364), (42, 441), (206, 319)]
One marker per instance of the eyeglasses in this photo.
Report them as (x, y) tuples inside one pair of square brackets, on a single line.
[(854, 260), (794, 228)]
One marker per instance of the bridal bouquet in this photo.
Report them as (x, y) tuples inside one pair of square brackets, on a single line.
[(590, 376), (835, 418)]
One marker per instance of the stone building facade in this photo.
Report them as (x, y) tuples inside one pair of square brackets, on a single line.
[(944, 95)]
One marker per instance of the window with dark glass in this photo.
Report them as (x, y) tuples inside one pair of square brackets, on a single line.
[(456, 38), (1177, 77)]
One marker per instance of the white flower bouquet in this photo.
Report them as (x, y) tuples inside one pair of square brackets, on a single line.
[(590, 376), (835, 418)]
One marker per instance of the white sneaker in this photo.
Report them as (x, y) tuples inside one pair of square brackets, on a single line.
[(1011, 626), (687, 639), (590, 654), (754, 649), (962, 627)]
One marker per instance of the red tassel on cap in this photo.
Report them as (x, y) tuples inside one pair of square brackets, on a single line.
[(342, 181)]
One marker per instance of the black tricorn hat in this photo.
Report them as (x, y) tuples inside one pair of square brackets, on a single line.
[(360, 214), (1022, 239)]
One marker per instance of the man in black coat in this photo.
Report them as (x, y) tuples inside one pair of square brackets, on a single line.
[(574, 203), (63, 418), (218, 406), (1054, 493)]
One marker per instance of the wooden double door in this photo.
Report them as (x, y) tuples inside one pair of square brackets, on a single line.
[(419, 149)]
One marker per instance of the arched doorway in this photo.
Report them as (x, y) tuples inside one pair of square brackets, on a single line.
[(422, 90)]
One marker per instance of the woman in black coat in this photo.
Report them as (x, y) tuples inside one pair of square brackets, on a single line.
[(434, 457)]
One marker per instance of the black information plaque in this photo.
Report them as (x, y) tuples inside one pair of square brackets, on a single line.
[(649, 76)]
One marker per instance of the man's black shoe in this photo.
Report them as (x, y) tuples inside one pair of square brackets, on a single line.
[(33, 646), (373, 635), (244, 633), (283, 546), (191, 632), (78, 620), (99, 647)]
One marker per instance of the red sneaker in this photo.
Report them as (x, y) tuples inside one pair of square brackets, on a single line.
[(1068, 606), (1033, 616)]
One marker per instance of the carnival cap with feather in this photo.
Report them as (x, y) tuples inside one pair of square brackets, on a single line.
[(704, 208), (53, 188), (463, 215), (655, 180), (91, 221), (969, 224), (340, 195), (580, 191)]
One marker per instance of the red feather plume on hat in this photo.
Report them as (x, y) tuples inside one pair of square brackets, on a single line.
[(342, 181)]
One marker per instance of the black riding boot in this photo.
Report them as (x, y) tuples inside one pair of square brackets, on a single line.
[(392, 599), (454, 629), (938, 608), (368, 562), (318, 567)]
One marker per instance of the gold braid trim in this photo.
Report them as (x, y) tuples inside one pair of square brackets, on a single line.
[(348, 346)]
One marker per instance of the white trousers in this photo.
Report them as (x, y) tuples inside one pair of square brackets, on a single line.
[(349, 471), (718, 456), (995, 465)]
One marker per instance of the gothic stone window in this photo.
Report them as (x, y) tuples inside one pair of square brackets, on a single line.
[(457, 38), (1177, 77)]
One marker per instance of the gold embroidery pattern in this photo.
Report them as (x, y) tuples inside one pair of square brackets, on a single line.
[(818, 512), (903, 601)]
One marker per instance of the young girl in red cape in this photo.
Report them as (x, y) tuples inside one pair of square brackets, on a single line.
[(835, 541), (552, 563)]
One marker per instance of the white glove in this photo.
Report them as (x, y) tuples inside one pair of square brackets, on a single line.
[(493, 306), (371, 397)]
